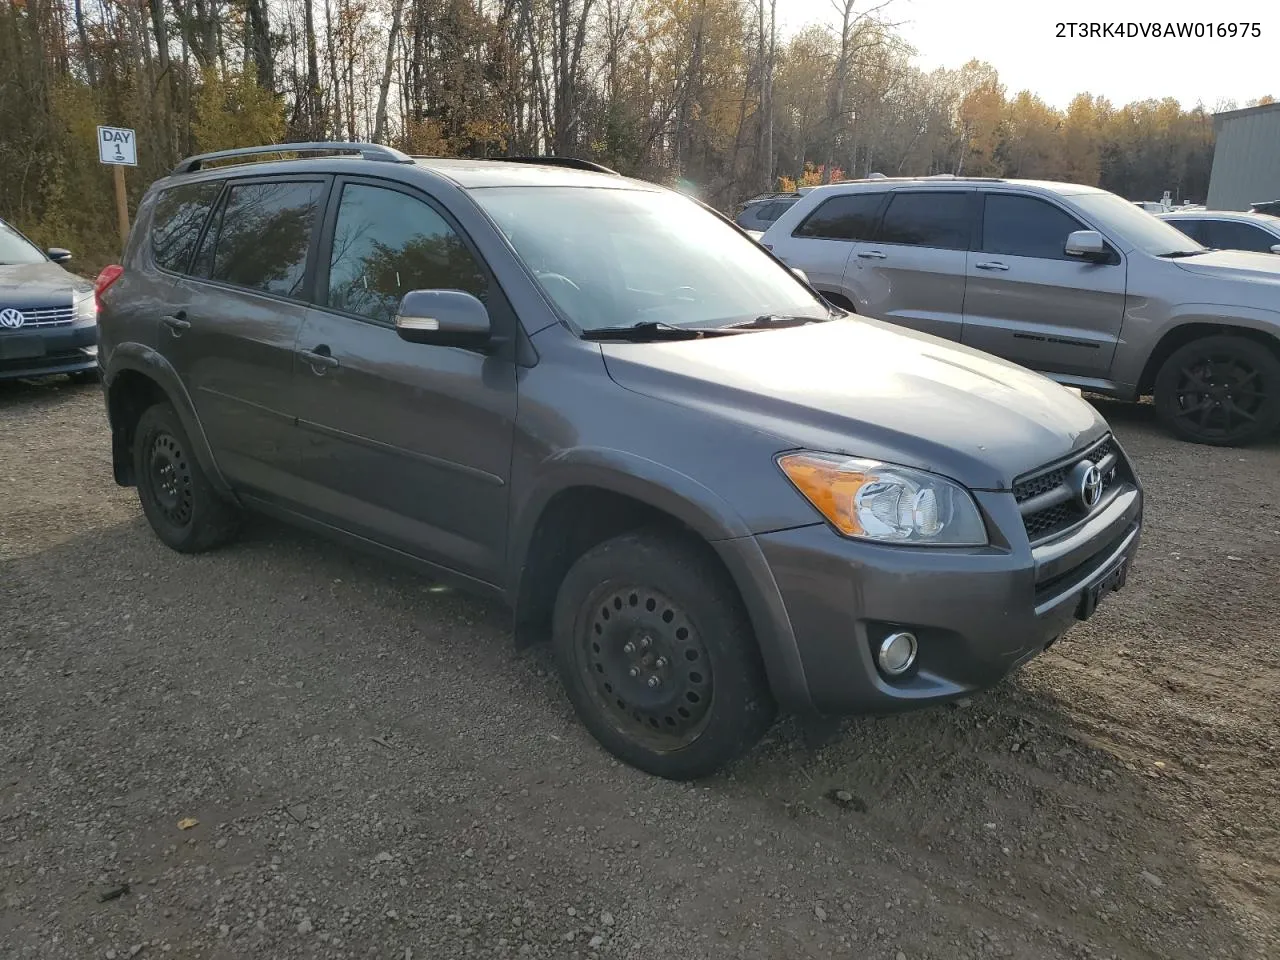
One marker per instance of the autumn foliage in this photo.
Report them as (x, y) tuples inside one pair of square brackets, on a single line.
[(704, 94)]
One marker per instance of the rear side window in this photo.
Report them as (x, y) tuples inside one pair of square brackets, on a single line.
[(1026, 227), (772, 211), (179, 217), (848, 217), (1192, 228), (1233, 235), (265, 234), (927, 219)]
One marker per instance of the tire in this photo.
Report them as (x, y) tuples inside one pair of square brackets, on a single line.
[(660, 605), (184, 510), (1221, 390)]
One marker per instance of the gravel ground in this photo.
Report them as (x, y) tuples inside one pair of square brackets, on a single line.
[(373, 771)]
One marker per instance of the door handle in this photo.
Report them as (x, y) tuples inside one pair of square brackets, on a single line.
[(872, 255), (319, 359), (991, 265), (177, 322)]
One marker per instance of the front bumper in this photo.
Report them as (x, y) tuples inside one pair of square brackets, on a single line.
[(977, 613), (41, 352)]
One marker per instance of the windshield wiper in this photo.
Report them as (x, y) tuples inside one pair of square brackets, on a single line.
[(773, 320), (1179, 254), (647, 330)]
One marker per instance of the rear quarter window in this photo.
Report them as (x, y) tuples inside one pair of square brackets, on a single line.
[(179, 217), (851, 216)]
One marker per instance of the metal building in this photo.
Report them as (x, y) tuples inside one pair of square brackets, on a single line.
[(1246, 158)]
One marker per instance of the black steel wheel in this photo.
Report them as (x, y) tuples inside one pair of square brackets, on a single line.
[(169, 479), (658, 657), (1221, 390), (180, 503), (646, 665)]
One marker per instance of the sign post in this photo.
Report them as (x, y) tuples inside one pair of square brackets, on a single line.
[(118, 147)]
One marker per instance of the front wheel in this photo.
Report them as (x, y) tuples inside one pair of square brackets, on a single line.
[(658, 657), (1220, 390)]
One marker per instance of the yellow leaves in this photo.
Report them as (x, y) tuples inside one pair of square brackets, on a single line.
[(186, 823), (233, 111)]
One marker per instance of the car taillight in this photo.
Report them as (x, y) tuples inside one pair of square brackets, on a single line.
[(106, 278)]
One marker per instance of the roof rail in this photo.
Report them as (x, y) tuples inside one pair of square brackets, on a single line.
[(574, 163), (367, 151)]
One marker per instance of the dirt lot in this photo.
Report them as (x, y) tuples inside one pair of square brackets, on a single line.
[(376, 773)]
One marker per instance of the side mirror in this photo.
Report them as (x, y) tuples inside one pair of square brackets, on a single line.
[(804, 277), (1086, 244), (1275, 248), (444, 318), (58, 255)]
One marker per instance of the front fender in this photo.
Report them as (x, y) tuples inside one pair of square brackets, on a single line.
[(699, 508), (1142, 335), (141, 359)]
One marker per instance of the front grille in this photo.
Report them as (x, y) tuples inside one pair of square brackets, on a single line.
[(47, 317), (1059, 510)]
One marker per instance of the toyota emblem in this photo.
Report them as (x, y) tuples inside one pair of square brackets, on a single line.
[(1087, 484), (11, 319)]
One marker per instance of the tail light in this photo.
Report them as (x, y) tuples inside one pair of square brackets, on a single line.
[(106, 278)]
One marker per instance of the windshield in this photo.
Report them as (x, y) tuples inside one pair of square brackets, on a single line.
[(615, 258), (15, 248), (1146, 232)]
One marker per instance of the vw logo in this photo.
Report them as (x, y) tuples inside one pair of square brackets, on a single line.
[(11, 318), (1087, 484)]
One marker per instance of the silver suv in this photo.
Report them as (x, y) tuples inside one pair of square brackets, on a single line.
[(1068, 280)]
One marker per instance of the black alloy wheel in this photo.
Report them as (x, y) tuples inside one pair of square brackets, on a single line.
[(1221, 390)]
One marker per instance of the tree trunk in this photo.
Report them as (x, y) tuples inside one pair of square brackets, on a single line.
[(380, 124), (89, 59), (260, 42)]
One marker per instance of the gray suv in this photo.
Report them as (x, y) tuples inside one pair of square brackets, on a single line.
[(598, 401), (1068, 280)]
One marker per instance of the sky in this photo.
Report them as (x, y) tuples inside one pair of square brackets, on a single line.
[(1018, 39)]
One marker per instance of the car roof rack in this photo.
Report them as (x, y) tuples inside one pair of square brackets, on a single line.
[(573, 163), (367, 151)]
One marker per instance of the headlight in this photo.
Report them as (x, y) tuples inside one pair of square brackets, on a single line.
[(86, 309), (880, 501)]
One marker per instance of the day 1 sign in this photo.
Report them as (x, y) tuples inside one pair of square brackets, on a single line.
[(117, 146)]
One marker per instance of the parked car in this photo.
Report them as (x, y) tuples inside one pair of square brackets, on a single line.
[(757, 213), (598, 401), (1270, 207), (48, 318), (1071, 281), (1228, 230)]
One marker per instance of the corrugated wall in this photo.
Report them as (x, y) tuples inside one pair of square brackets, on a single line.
[(1246, 159)]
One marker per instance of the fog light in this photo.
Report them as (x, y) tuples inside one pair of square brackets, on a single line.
[(897, 653)]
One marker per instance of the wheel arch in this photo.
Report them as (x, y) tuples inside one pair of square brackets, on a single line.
[(587, 503), (1191, 330), (137, 378)]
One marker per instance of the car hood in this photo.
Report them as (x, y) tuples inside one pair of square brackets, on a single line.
[(38, 285), (865, 388), (1235, 265)]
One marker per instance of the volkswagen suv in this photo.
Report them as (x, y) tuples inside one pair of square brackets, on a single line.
[(599, 402)]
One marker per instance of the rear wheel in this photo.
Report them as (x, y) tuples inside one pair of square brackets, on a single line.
[(658, 657), (1220, 390), (183, 508)]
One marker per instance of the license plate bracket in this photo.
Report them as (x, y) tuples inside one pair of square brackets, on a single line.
[(18, 347), (1112, 580)]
